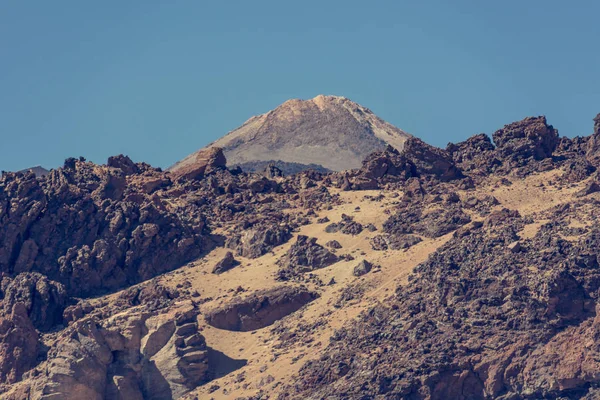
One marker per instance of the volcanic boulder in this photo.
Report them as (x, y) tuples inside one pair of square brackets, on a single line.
[(225, 264), (201, 164), (43, 299), (18, 344), (305, 255), (260, 309)]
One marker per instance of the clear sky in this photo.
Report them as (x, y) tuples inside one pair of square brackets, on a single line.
[(159, 79)]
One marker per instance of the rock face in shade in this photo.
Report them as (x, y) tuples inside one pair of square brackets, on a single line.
[(327, 131), (260, 309), (92, 228)]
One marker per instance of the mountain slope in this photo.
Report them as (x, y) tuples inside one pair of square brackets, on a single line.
[(333, 132)]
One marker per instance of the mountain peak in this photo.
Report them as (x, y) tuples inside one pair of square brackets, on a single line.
[(332, 132)]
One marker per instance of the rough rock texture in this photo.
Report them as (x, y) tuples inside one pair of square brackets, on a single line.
[(43, 299), (363, 267), (477, 321), (429, 160), (201, 164), (333, 244), (346, 226), (260, 309), (258, 240), (305, 255), (225, 264), (503, 305), (520, 148), (430, 223), (394, 242), (18, 344), (135, 355), (84, 227)]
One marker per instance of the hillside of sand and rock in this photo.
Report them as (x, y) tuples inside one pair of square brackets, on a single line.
[(469, 272)]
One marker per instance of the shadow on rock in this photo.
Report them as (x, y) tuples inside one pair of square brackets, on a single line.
[(221, 364)]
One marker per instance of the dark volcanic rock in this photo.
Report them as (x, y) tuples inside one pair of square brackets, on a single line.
[(519, 142), (346, 226), (225, 264), (394, 242), (433, 223), (538, 307), (333, 244), (475, 155), (305, 255), (123, 163), (363, 268), (429, 160), (273, 172), (18, 344), (260, 309), (43, 299), (84, 227)]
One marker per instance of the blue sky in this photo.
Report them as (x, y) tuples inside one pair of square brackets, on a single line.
[(158, 80)]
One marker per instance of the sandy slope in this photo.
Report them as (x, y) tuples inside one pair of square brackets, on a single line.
[(260, 360)]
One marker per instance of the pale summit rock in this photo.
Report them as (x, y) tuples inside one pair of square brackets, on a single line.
[(329, 131)]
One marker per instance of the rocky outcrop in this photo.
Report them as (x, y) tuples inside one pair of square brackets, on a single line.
[(521, 145), (394, 242), (135, 355), (85, 227), (18, 344), (333, 244), (529, 138), (363, 268), (432, 223), (429, 160), (475, 155), (347, 226), (273, 171), (202, 163), (538, 305), (305, 255), (225, 264), (43, 299), (123, 163), (258, 240), (260, 309)]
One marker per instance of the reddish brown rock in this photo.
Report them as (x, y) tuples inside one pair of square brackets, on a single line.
[(18, 344), (202, 163)]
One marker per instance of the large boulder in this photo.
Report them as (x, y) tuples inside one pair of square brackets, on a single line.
[(202, 163), (530, 138), (44, 300), (429, 160), (18, 344), (260, 309), (304, 256), (259, 239)]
